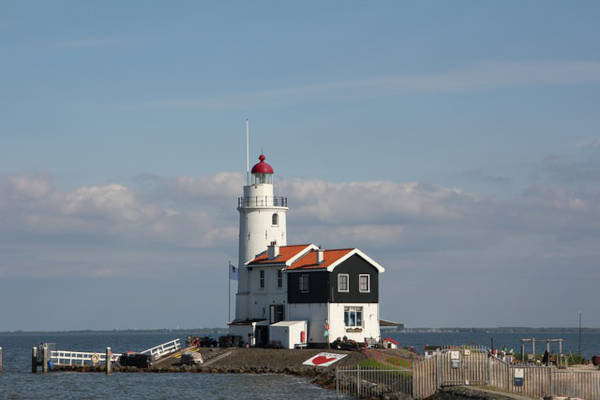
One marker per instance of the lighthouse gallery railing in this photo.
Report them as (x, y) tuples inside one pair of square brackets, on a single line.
[(262, 201)]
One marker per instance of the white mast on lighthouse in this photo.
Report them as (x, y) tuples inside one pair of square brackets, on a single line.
[(262, 221)]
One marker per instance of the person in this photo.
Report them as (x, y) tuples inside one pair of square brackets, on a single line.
[(545, 358)]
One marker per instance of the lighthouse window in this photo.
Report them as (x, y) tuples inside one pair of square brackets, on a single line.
[(304, 283), (275, 219), (261, 280), (353, 317)]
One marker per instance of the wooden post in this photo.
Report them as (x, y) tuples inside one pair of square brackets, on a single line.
[(522, 352), (489, 370), (0, 359), (34, 360), (45, 358), (108, 361), (560, 352), (533, 346)]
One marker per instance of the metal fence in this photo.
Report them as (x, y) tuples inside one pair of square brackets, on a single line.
[(367, 382), (460, 367), (466, 366)]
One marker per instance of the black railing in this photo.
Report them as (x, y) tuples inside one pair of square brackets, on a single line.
[(262, 201)]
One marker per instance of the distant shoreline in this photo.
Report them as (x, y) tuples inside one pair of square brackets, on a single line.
[(223, 331)]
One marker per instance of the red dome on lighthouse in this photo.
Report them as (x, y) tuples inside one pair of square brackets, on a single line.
[(262, 167)]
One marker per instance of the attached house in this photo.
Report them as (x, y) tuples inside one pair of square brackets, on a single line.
[(335, 291)]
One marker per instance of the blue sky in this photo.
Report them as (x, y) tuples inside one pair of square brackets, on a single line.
[(469, 128)]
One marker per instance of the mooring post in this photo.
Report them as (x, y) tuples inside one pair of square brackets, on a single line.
[(45, 358), (34, 360), (108, 362)]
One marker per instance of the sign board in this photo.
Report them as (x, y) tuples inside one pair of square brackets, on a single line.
[(324, 359), (519, 375), (467, 352), (455, 355)]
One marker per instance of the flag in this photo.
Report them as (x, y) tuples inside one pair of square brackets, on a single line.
[(234, 272)]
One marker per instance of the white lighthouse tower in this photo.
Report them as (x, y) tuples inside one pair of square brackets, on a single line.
[(262, 222)]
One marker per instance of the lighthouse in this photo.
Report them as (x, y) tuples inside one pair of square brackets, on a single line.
[(262, 225)]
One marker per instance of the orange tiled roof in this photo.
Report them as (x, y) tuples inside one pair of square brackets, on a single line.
[(285, 253), (309, 260)]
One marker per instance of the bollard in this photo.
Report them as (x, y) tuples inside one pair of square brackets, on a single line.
[(45, 358), (34, 360), (108, 361)]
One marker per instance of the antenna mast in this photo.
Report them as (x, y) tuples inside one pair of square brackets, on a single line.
[(247, 152)]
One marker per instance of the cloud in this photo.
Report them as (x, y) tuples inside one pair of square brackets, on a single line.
[(482, 76), (432, 237)]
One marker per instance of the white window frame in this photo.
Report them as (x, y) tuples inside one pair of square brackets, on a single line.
[(301, 287), (354, 310), (347, 276), (262, 279), (368, 283)]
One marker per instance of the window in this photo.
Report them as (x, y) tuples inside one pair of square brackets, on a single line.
[(353, 317), (280, 279), (304, 283), (364, 283), (343, 282), (275, 219), (261, 280)]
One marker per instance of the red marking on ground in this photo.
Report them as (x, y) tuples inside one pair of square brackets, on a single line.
[(322, 360)]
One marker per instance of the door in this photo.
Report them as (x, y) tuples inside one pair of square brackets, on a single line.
[(276, 313), (262, 335)]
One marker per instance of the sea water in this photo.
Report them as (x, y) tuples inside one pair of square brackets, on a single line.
[(17, 381)]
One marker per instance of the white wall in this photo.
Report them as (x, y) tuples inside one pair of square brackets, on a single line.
[(258, 299), (370, 323), (256, 220), (315, 314), (288, 335)]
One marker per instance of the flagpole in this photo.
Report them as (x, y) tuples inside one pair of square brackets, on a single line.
[(229, 292)]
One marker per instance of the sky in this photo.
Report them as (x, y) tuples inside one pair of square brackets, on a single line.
[(456, 143)]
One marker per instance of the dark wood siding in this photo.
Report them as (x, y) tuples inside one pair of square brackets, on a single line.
[(354, 266), (318, 284), (323, 285)]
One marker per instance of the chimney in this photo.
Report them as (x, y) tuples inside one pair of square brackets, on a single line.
[(273, 250), (320, 255)]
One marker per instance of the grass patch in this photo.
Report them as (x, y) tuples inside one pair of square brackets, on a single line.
[(376, 364)]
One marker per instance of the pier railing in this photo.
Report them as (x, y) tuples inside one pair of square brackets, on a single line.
[(80, 358), (83, 358), (163, 349)]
